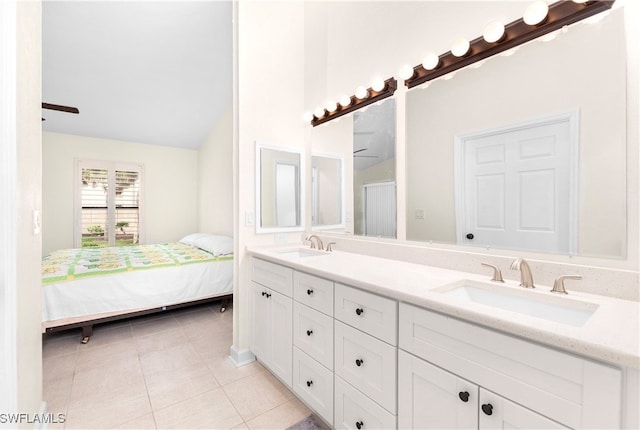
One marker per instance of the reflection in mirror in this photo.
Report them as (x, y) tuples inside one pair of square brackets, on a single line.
[(327, 196), (374, 170), (280, 189), (512, 177)]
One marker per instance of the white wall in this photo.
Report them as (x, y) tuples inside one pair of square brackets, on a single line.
[(215, 179), (269, 105), (170, 186)]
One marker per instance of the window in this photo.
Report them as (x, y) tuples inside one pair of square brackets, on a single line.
[(108, 204)]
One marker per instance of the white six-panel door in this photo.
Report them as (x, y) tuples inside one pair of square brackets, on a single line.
[(517, 187)]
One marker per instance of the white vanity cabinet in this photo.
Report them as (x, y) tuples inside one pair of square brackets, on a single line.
[(430, 397), (313, 343), (365, 359), (536, 386), (272, 320)]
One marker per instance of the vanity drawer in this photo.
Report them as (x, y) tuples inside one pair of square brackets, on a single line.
[(368, 312), (568, 389), (274, 276), (366, 363), (353, 407), (313, 333), (314, 292), (314, 384)]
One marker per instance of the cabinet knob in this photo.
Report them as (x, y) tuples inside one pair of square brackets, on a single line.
[(359, 362), (464, 396), (309, 292), (267, 295), (359, 425), (309, 383), (470, 236), (359, 311), (264, 294), (309, 332), (487, 408)]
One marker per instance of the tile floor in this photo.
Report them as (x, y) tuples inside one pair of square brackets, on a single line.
[(170, 370)]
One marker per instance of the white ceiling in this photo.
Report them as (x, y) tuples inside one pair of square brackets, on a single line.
[(139, 71)]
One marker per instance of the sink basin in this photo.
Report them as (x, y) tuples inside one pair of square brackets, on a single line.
[(301, 253), (548, 307)]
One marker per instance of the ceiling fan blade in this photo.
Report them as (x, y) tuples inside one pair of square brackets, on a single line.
[(61, 108)]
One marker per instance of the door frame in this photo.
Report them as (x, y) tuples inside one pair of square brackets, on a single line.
[(8, 209), (572, 117)]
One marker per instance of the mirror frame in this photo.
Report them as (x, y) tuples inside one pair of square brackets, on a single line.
[(301, 189), (342, 223)]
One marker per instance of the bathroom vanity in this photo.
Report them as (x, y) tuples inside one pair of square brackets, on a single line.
[(371, 343)]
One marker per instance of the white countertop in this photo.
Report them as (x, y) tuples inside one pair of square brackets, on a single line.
[(611, 334)]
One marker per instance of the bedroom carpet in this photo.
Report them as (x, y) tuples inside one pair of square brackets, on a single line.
[(169, 370)]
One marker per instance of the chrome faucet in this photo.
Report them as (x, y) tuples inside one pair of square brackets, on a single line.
[(526, 278), (317, 243)]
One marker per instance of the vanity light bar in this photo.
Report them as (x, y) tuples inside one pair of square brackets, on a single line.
[(516, 33), (372, 96)]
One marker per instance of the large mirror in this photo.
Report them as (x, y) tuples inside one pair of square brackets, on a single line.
[(327, 192), (374, 170), (280, 189), (527, 152)]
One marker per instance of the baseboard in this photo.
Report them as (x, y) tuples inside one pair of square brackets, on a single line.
[(241, 357)]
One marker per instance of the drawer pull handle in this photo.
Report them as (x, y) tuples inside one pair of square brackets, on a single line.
[(359, 311), (309, 292), (359, 362), (309, 332), (487, 409), (464, 396), (359, 425), (309, 383)]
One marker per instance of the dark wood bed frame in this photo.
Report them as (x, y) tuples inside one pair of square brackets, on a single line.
[(87, 326)]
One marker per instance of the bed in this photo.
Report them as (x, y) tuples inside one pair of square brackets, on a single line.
[(85, 286)]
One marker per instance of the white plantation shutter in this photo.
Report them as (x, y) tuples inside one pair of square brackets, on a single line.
[(108, 204)]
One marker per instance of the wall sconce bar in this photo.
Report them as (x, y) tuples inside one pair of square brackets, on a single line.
[(516, 33), (390, 87)]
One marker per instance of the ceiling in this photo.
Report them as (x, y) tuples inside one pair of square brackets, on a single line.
[(374, 134), (140, 71)]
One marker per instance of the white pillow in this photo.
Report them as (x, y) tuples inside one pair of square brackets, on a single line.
[(215, 244), (190, 239)]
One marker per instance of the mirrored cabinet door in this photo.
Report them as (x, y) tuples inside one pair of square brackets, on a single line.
[(280, 195)]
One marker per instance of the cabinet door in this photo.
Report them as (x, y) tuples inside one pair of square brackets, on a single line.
[(281, 336), (260, 322), (499, 413), (429, 397)]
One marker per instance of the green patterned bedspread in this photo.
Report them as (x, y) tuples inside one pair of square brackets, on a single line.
[(70, 264)]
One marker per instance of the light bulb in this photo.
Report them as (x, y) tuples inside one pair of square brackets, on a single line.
[(378, 85), (580, 1), (307, 117), (331, 106), (493, 32), (406, 72), (345, 100), (536, 12), (362, 92), (319, 112), (460, 47), (431, 61)]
